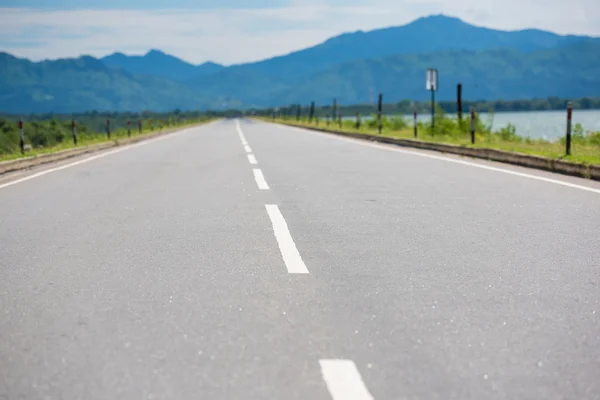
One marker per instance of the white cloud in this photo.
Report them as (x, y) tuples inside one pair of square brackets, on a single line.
[(232, 36)]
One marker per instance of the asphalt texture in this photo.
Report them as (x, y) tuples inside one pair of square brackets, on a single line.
[(155, 273)]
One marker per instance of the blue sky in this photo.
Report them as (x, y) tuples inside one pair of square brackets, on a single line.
[(233, 31)]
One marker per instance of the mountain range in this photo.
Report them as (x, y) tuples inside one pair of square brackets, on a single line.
[(351, 67)]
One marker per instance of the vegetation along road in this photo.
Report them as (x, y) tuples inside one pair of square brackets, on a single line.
[(248, 260)]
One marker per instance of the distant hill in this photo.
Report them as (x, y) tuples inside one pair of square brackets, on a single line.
[(570, 71), (157, 63), (352, 67), (86, 83), (424, 35)]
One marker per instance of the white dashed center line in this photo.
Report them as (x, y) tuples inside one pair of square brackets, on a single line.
[(289, 252), (252, 159), (260, 179), (343, 380)]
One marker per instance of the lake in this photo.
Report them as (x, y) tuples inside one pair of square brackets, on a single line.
[(538, 124)]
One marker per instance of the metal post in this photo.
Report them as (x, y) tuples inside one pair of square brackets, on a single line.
[(415, 122), (340, 118), (128, 128), (569, 126), (432, 111), (140, 126), (357, 120), (311, 112), (379, 110), (298, 112), (108, 128), (472, 125), (21, 136), (74, 130)]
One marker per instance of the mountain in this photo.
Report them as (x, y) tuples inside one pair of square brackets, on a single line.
[(424, 35), (352, 67), (86, 83), (157, 63), (207, 68), (569, 71)]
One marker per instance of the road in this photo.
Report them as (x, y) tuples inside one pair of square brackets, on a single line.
[(246, 260)]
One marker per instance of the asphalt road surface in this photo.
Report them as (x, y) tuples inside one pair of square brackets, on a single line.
[(245, 260)]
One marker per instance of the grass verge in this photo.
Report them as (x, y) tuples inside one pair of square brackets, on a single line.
[(90, 139), (585, 148)]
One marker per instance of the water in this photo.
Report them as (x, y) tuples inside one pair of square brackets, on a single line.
[(543, 124), (549, 125)]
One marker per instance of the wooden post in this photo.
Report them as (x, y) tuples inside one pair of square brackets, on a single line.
[(569, 126), (472, 125), (379, 111), (415, 122), (459, 103), (74, 132)]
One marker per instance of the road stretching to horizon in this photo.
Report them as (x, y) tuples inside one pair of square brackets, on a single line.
[(247, 260)]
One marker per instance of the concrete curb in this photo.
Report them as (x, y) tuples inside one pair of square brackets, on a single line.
[(523, 160), (33, 161)]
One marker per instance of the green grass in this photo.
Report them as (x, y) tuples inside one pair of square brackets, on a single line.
[(585, 149), (89, 139)]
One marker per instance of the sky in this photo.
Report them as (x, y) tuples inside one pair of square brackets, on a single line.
[(235, 31)]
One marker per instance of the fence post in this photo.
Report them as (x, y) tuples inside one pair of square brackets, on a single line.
[(379, 110), (140, 126), (569, 126), (74, 130), (472, 125), (298, 112), (358, 120), (459, 103), (334, 110), (21, 136), (128, 128), (340, 118), (415, 123), (108, 128)]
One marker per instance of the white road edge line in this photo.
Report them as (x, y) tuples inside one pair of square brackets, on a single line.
[(252, 159), (260, 179), (247, 148), (343, 380), (442, 158), (240, 133), (289, 252), (97, 156)]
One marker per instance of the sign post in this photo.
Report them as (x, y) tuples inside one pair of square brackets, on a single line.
[(432, 86)]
